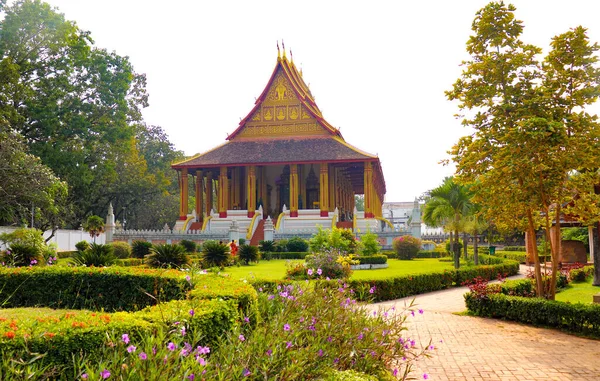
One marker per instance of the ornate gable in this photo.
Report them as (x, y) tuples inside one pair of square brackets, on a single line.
[(284, 109)]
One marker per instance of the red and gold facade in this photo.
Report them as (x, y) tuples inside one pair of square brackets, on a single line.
[(283, 153)]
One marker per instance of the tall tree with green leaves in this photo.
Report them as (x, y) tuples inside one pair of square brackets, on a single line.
[(531, 130), (448, 205)]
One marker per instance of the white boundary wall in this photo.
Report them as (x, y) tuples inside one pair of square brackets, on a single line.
[(64, 239)]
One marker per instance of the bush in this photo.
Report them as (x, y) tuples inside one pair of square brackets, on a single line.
[(108, 289), (430, 254), (581, 274), (121, 250), (370, 244), (65, 254), (25, 236), (129, 262), (372, 259), (353, 244), (406, 247), (514, 255), (248, 253), (23, 255), (330, 265), (139, 249), (167, 255), (297, 244), (578, 318), (449, 249), (215, 254), (218, 287), (337, 240), (189, 246), (97, 255), (82, 245), (266, 246), (281, 245), (514, 248)]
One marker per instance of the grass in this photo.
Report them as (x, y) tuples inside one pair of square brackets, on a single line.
[(275, 269), (578, 292)]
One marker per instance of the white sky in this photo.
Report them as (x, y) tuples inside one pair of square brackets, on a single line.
[(377, 69)]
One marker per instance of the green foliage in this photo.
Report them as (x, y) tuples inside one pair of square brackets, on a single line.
[(129, 262), (372, 259), (297, 244), (266, 246), (22, 255), (581, 274), (97, 255), (139, 249), (576, 234), (108, 289), (514, 248), (82, 245), (215, 254), (331, 240), (286, 255), (121, 250), (577, 318), (190, 246), (216, 287), (520, 257), (452, 247), (430, 254), (281, 245), (330, 265), (370, 244), (353, 244), (94, 225), (248, 253), (167, 255), (25, 236), (406, 247)]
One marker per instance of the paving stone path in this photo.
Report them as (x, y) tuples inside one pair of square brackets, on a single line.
[(471, 348)]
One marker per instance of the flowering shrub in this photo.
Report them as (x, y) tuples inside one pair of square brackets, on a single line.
[(370, 244), (329, 264), (406, 246), (337, 240)]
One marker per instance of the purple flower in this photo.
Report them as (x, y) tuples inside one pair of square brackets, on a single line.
[(201, 360), (425, 376), (171, 346), (319, 271), (329, 339), (395, 372), (310, 272), (183, 331), (246, 319), (187, 277), (286, 327), (421, 311), (271, 297), (125, 338), (131, 348), (288, 344), (269, 352), (372, 290), (143, 356), (242, 338), (320, 353), (203, 350), (431, 347), (360, 336), (192, 312), (84, 376), (246, 372), (191, 377), (105, 374)]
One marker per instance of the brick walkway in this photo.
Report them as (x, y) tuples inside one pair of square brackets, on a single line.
[(474, 348)]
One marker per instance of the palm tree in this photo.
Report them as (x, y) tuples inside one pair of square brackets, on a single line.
[(94, 225), (474, 225), (446, 206)]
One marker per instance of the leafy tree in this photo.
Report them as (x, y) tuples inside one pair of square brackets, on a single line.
[(447, 205), (359, 201), (94, 225), (531, 130)]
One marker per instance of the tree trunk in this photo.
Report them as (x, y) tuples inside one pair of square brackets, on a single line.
[(596, 281), (465, 241), (539, 286), (475, 248), (555, 254)]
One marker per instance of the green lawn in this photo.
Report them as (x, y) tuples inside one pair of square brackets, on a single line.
[(275, 269), (578, 292)]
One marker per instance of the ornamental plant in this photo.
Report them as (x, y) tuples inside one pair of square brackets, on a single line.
[(122, 250), (82, 245), (97, 255), (329, 264), (248, 253), (190, 246), (370, 244), (215, 254), (406, 246), (167, 255), (139, 249)]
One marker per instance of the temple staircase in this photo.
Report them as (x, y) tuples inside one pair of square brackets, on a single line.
[(259, 233)]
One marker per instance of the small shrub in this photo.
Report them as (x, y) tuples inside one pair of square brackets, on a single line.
[(329, 264), (167, 255), (248, 253), (406, 247), (97, 255), (121, 250), (189, 246), (215, 254), (373, 259), (281, 245), (242, 241), (297, 244), (24, 255), (457, 244), (139, 249), (370, 244), (266, 246), (82, 245), (581, 274), (353, 244)]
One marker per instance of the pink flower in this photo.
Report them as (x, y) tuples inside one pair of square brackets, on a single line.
[(191, 312), (319, 271), (201, 360), (84, 376), (242, 338), (143, 356), (105, 374), (286, 327), (171, 346), (131, 348), (125, 338), (425, 376), (310, 272)]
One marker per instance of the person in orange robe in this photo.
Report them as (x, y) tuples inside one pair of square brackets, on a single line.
[(233, 247)]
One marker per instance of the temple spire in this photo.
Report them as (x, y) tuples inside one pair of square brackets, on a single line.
[(278, 55), (283, 47), (291, 56)]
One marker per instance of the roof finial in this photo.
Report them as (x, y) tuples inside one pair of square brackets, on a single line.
[(278, 56), (291, 55), (283, 46)]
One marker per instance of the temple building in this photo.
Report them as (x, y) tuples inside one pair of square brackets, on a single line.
[(284, 162)]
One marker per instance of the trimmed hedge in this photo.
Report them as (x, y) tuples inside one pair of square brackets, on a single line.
[(514, 255), (577, 318), (214, 286), (127, 262), (108, 289), (514, 248), (430, 254), (407, 285), (372, 259), (283, 255), (581, 274)]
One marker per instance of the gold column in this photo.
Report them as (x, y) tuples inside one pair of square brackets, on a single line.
[(209, 192), (324, 189), (251, 190), (294, 188), (183, 194), (332, 184), (232, 184), (199, 197), (368, 189), (223, 192)]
